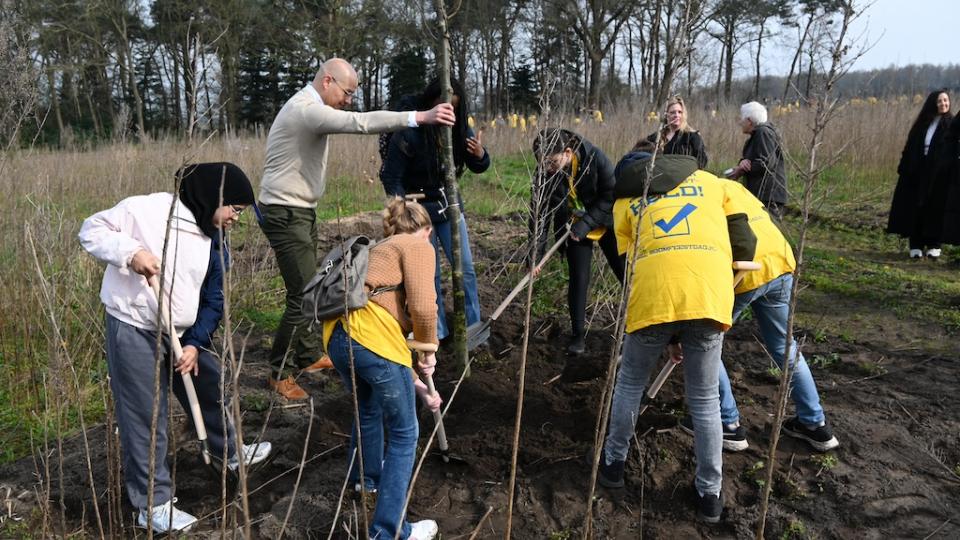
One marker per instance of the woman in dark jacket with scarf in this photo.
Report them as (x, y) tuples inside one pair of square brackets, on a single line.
[(917, 210), (676, 137), (575, 186), (413, 166)]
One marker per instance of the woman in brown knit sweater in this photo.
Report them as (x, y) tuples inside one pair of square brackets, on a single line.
[(375, 336)]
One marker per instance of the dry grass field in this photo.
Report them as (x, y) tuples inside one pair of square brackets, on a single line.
[(52, 370)]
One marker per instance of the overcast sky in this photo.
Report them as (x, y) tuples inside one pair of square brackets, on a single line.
[(902, 32), (912, 32)]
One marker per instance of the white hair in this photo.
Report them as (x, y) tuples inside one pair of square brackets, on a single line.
[(754, 112)]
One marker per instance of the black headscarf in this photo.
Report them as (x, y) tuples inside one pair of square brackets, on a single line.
[(200, 191)]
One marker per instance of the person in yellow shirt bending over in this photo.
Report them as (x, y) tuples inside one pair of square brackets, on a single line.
[(369, 345), (680, 241), (768, 292)]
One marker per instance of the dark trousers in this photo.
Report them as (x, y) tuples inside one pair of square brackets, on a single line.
[(130, 362), (292, 233), (919, 237), (579, 255), (775, 210)]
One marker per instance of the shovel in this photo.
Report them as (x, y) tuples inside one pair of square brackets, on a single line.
[(442, 443), (187, 379), (741, 267), (479, 332)]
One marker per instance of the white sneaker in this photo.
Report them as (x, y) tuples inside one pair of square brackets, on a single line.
[(161, 521), (933, 253), (916, 253), (424, 530), (252, 454)]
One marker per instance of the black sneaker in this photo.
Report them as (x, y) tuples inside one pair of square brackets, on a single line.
[(577, 344), (709, 507), (820, 438), (734, 440), (610, 476)]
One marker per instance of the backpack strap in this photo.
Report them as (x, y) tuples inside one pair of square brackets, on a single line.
[(381, 290)]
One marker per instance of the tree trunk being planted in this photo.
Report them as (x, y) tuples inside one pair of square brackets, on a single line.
[(459, 323)]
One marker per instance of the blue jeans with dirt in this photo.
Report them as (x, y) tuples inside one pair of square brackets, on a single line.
[(385, 396), (441, 238), (702, 341), (771, 305)]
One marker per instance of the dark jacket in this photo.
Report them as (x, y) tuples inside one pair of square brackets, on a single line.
[(767, 178), (919, 198), (594, 186), (210, 309), (948, 171), (413, 165), (668, 173), (686, 143)]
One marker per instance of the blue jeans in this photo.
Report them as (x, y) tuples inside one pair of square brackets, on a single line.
[(702, 343), (385, 396), (441, 233), (771, 305)]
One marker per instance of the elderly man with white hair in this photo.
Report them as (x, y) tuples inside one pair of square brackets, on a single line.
[(294, 178), (762, 164)]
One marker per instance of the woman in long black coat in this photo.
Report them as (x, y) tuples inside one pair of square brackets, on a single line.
[(919, 199), (948, 172)]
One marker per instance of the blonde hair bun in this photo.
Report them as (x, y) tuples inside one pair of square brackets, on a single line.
[(403, 217)]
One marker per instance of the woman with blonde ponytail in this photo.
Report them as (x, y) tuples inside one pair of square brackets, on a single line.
[(385, 382)]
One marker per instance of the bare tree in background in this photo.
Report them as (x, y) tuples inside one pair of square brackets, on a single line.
[(597, 23), (17, 90)]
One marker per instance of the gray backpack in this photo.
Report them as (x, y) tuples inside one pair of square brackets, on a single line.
[(337, 287)]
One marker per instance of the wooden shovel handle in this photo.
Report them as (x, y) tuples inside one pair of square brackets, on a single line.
[(195, 411), (742, 267)]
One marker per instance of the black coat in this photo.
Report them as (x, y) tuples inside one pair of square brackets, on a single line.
[(948, 171), (767, 177), (594, 185), (919, 198), (413, 165), (685, 143)]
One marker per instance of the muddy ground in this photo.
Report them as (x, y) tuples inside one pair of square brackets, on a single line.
[(894, 412)]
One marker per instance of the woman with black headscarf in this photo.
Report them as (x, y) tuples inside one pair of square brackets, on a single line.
[(130, 239), (919, 199), (412, 165)]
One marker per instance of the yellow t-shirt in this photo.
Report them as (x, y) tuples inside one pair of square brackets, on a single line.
[(773, 249), (375, 329), (682, 267)]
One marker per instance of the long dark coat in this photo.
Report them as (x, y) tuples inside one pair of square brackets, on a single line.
[(919, 198), (948, 171)]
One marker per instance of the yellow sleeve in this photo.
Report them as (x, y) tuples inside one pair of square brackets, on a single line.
[(623, 226)]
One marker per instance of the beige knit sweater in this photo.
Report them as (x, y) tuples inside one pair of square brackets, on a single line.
[(295, 168), (407, 259)]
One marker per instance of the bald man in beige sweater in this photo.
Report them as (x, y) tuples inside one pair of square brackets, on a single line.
[(294, 179)]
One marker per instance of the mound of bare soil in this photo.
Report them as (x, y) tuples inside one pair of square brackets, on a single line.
[(894, 475)]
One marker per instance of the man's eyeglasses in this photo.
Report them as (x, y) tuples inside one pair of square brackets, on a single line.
[(237, 210), (348, 93)]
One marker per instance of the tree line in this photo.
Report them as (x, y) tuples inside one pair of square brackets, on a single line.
[(118, 68)]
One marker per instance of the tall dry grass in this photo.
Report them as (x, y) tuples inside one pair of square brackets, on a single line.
[(51, 323)]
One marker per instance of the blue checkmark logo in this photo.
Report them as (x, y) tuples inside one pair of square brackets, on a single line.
[(678, 218)]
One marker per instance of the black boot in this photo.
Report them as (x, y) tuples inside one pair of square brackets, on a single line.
[(610, 476), (577, 344)]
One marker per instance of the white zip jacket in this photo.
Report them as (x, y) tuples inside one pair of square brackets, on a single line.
[(113, 236)]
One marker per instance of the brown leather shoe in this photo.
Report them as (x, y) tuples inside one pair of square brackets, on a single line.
[(323, 363), (288, 388)]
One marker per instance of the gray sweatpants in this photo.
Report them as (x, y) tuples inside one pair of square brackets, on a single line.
[(130, 361)]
